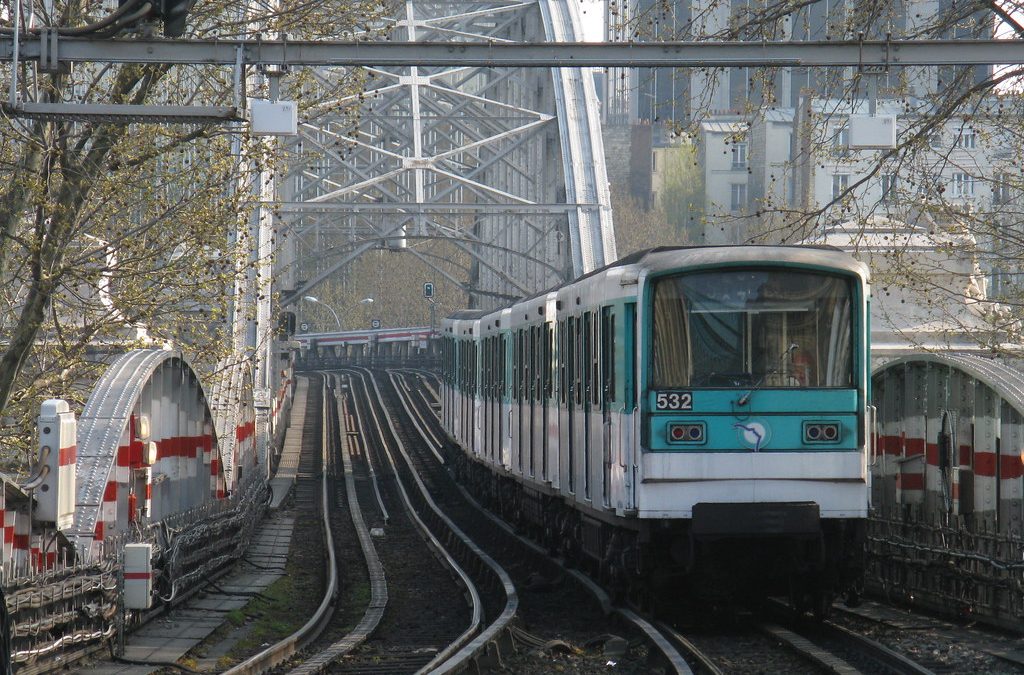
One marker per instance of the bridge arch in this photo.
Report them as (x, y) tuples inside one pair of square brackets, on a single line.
[(116, 483), (950, 440)]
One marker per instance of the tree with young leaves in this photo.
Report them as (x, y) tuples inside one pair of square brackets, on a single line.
[(114, 235), (960, 129)]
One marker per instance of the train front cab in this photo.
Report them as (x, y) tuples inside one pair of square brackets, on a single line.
[(754, 383)]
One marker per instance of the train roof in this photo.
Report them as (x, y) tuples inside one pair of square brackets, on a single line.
[(469, 314), (662, 257)]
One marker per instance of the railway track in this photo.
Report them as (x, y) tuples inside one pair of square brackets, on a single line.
[(559, 608), (437, 583)]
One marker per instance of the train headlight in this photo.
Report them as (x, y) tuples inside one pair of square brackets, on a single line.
[(821, 432), (692, 433)]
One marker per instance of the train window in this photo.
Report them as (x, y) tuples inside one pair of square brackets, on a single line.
[(743, 328), (579, 362), (548, 363), (561, 362), (538, 363), (595, 355), (502, 365), (608, 357)]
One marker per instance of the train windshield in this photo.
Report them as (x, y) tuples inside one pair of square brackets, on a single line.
[(742, 328)]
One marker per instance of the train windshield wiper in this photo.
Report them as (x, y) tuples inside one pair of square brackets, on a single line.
[(745, 399)]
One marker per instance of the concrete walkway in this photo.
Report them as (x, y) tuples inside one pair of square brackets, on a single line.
[(167, 638)]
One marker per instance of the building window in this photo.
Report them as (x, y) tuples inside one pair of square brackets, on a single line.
[(963, 185), (967, 140), (739, 156), (1001, 189), (737, 196), (888, 184), (842, 138), (840, 183)]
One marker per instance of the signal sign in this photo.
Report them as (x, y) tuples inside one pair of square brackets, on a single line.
[(375, 324), (428, 289)]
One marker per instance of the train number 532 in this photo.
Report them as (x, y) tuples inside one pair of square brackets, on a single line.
[(674, 400)]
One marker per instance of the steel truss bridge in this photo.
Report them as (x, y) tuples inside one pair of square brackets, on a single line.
[(506, 164), (495, 147)]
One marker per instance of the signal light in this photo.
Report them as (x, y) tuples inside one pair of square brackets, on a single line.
[(691, 433), (821, 432)]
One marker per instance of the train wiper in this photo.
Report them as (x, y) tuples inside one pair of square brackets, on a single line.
[(745, 399)]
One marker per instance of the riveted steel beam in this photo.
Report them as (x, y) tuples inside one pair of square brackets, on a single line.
[(539, 55)]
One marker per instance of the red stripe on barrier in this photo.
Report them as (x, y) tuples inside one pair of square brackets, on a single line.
[(99, 530), (965, 455), (1010, 467), (110, 491), (914, 446), (124, 457), (892, 445), (910, 481), (956, 491), (931, 454), (20, 542), (128, 576), (984, 464), (67, 455)]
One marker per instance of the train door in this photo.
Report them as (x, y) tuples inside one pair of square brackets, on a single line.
[(572, 398), (607, 398), (537, 429), (586, 401), (546, 388), (526, 400), (563, 402), (503, 407), (491, 373)]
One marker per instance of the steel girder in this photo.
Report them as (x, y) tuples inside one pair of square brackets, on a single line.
[(505, 164)]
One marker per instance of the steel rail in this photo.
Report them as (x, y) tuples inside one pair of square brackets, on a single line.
[(277, 653), (417, 419), (375, 571), (830, 631), (451, 660), (663, 644), (862, 53), (475, 600), (876, 650), (706, 664), (369, 464)]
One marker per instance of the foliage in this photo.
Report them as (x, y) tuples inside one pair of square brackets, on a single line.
[(682, 190), (955, 169), (637, 228), (118, 235)]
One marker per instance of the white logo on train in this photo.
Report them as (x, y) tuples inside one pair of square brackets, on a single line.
[(754, 435)]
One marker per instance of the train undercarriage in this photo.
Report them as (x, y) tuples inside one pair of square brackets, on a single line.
[(728, 555)]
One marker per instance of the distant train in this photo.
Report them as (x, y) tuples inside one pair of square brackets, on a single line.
[(684, 419)]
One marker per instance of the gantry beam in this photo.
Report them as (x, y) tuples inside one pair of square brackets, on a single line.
[(872, 53)]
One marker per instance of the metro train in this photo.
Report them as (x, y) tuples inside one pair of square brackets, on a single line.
[(685, 419)]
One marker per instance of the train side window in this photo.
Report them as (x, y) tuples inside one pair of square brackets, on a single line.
[(502, 366), (527, 363), (548, 363), (562, 380), (577, 362), (596, 384), (538, 364), (608, 357)]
